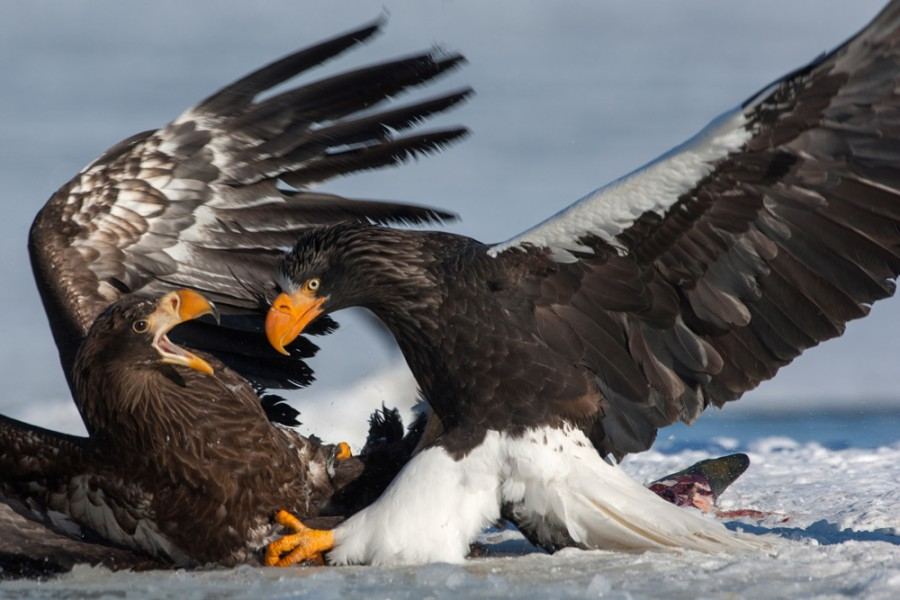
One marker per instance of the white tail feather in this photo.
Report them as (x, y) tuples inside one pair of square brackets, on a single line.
[(562, 483)]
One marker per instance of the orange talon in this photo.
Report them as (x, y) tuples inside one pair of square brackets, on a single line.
[(290, 521), (303, 544), (343, 451)]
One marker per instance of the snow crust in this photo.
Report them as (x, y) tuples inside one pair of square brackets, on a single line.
[(837, 509)]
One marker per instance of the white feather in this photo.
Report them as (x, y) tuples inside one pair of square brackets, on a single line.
[(431, 512), (437, 506), (655, 187), (562, 484)]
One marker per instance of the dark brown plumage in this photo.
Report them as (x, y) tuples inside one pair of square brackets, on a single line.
[(180, 464), (680, 286), (789, 236), (29, 549)]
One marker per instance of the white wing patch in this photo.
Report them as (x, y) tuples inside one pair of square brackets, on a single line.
[(610, 210)]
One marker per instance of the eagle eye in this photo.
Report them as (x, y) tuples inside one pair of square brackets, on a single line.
[(313, 284), (141, 326)]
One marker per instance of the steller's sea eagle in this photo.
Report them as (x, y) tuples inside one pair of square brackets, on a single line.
[(679, 286)]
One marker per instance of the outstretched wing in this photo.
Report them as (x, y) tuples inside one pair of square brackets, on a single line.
[(697, 277), (208, 201)]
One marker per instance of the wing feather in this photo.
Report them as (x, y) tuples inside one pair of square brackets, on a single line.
[(208, 201), (723, 260)]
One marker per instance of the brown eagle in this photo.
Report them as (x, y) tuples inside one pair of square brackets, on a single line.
[(181, 462)]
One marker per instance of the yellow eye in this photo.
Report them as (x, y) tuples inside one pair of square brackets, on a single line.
[(313, 284), (141, 326)]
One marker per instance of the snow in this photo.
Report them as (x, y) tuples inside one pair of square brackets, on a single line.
[(827, 475), (828, 478), (394, 387), (837, 510)]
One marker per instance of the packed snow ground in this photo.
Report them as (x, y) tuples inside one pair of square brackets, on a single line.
[(837, 512)]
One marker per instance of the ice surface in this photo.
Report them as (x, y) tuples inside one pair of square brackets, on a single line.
[(838, 511)]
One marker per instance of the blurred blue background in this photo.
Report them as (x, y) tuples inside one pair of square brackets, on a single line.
[(570, 95)]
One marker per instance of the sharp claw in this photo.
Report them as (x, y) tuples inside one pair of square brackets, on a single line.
[(288, 520), (343, 451), (303, 544)]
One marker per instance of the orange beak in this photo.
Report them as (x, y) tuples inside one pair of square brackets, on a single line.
[(289, 316), (175, 308)]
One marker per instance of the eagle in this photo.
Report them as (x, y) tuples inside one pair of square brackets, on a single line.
[(181, 463), (679, 286), (204, 205)]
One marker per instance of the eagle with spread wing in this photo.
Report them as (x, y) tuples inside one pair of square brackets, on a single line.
[(677, 287)]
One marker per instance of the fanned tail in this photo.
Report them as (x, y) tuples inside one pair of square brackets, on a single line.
[(562, 493), (606, 508)]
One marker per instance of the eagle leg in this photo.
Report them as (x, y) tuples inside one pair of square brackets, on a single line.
[(303, 544)]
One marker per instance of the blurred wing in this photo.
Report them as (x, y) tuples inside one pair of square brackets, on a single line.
[(62, 482), (31, 550), (208, 201), (697, 277), (41, 473)]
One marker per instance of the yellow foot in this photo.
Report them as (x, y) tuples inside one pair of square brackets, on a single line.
[(303, 544)]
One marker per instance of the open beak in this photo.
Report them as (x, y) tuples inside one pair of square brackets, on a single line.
[(289, 315), (175, 308)]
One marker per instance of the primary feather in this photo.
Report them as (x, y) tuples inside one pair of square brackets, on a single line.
[(207, 201)]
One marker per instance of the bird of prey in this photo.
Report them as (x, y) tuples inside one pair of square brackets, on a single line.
[(205, 203), (180, 462), (679, 286)]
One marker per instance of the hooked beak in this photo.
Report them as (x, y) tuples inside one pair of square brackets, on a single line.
[(172, 309), (289, 316)]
